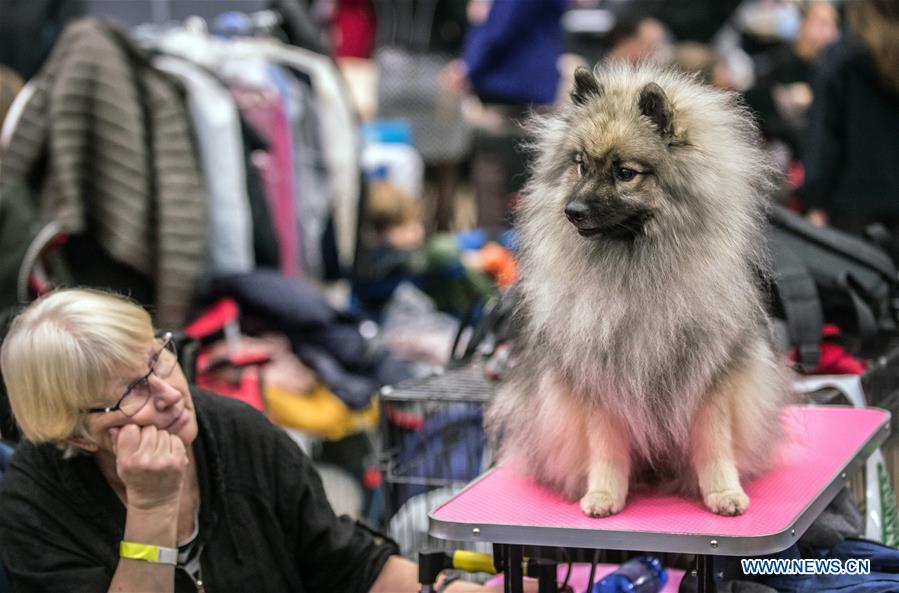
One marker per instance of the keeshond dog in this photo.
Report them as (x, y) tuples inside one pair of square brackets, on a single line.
[(645, 352)]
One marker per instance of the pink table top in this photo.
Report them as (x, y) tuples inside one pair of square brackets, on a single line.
[(826, 445)]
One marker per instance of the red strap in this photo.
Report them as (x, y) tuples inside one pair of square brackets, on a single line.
[(216, 317)]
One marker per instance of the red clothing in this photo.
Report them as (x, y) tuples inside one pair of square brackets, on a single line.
[(353, 29)]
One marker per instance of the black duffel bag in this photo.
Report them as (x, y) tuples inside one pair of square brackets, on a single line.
[(822, 275)]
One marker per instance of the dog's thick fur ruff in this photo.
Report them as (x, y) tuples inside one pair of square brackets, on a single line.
[(645, 360)]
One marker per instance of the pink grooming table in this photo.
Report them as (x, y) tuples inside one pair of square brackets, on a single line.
[(826, 445)]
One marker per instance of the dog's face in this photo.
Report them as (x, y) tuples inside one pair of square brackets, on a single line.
[(617, 151)]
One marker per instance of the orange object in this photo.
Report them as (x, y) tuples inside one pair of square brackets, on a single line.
[(499, 263)]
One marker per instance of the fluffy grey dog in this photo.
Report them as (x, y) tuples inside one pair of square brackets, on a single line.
[(645, 356)]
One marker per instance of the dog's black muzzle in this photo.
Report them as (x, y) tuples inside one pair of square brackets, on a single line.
[(611, 218)]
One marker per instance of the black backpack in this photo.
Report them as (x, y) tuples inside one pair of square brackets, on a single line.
[(825, 275)]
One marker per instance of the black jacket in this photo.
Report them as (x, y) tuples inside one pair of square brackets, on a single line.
[(851, 146), (29, 28), (265, 524)]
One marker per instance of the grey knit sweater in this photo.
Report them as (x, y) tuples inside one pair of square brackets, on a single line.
[(121, 164)]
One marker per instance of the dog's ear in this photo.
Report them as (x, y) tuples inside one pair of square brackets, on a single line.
[(585, 86), (654, 104)]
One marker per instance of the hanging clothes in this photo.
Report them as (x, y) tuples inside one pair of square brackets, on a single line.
[(265, 239), (263, 108), (121, 163), (342, 149), (299, 27), (325, 175), (316, 190), (216, 126), (311, 197)]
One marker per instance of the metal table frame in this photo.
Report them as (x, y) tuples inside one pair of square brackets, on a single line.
[(509, 540)]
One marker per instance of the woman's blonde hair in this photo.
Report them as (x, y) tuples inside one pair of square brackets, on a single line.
[(62, 354), (877, 23)]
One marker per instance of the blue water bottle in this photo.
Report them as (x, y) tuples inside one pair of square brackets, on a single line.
[(643, 574)]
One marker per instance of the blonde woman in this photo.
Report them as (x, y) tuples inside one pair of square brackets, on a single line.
[(130, 480)]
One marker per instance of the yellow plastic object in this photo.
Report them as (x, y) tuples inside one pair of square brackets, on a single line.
[(473, 561), (319, 412)]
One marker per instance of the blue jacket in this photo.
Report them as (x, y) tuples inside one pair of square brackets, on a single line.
[(512, 56)]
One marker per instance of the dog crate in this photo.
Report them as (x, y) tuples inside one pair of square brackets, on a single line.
[(432, 444), (880, 383)]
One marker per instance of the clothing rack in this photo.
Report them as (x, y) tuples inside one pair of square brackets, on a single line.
[(221, 89)]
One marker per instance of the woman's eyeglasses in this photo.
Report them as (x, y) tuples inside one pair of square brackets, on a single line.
[(162, 364)]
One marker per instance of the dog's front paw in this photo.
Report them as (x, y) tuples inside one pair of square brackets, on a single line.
[(727, 502), (598, 503)]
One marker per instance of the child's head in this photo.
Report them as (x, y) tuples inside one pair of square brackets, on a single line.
[(394, 215)]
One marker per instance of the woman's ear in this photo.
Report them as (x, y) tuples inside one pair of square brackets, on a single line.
[(83, 443)]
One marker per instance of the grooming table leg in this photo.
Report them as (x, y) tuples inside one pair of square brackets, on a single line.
[(513, 581), (545, 572), (705, 575)]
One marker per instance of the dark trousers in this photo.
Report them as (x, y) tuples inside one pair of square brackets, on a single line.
[(498, 172)]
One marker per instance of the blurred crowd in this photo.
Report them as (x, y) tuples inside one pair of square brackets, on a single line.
[(462, 76), (821, 76)]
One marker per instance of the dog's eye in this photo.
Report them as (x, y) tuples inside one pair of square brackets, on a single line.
[(579, 164), (625, 174)]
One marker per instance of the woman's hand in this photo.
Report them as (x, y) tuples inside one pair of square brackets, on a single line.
[(151, 464)]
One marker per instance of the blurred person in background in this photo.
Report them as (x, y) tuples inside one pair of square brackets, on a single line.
[(510, 62), (783, 93), (416, 40), (851, 145), (704, 62), (692, 20), (636, 38), (455, 277)]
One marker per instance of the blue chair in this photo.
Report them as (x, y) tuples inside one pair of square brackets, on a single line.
[(5, 453), (6, 450)]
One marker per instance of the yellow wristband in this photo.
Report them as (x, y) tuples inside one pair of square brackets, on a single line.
[(148, 553)]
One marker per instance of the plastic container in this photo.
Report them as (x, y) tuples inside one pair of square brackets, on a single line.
[(643, 574), (388, 155)]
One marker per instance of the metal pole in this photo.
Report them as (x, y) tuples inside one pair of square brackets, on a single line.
[(514, 575), (705, 575)]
